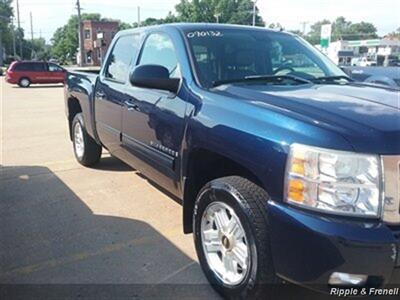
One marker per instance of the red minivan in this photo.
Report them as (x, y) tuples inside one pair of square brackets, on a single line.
[(25, 73)]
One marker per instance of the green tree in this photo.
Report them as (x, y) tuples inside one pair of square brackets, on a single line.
[(228, 11), (297, 32), (39, 49), (6, 30), (395, 34), (342, 30), (361, 31), (124, 26)]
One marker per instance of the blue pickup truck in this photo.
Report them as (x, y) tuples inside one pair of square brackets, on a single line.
[(287, 169)]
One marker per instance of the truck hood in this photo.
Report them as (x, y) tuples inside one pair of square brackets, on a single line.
[(368, 117)]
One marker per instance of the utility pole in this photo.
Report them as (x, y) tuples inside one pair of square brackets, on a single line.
[(304, 24), (31, 27), (19, 31), (254, 12), (138, 16), (217, 17), (32, 50), (13, 37), (78, 7), (1, 48)]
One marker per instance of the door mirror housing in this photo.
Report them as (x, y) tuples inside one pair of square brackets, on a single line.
[(154, 77)]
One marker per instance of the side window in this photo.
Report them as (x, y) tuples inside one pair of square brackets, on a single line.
[(32, 67), (24, 67), (54, 68), (19, 67), (124, 51), (39, 67), (159, 50)]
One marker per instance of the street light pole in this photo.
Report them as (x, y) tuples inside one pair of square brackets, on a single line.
[(254, 12)]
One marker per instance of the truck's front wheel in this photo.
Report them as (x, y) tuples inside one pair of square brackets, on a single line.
[(232, 240), (86, 150)]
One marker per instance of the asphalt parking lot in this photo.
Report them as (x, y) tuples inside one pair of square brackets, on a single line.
[(61, 223)]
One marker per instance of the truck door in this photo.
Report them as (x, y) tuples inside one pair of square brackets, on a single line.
[(110, 90), (153, 120)]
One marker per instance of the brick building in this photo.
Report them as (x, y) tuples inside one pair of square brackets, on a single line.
[(97, 37)]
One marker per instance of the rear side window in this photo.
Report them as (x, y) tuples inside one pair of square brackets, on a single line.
[(124, 51), (32, 67), (20, 67)]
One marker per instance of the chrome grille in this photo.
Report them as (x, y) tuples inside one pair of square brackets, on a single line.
[(391, 166)]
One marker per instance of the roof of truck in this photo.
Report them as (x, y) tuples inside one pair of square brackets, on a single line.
[(205, 26)]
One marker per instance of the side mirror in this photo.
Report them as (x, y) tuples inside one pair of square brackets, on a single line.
[(154, 77)]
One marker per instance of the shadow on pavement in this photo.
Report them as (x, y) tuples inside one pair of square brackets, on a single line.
[(110, 163), (40, 86), (53, 244)]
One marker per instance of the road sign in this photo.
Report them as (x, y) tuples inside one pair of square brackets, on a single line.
[(326, 31)]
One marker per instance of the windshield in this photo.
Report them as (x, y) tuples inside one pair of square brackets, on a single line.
[(233, 54)]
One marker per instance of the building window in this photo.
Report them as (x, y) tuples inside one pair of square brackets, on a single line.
[(87, 34)]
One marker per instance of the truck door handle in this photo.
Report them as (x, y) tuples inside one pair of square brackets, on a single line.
[(131, 106), (100, 95)]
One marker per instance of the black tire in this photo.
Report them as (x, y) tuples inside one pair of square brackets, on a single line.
[(24, 82), (92, 151), (248, 202)]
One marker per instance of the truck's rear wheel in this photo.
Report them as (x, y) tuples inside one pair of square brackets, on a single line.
[(86, 150), (232, 240)]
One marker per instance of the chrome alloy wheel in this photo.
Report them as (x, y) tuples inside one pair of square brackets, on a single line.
[(224, 243), (78, 140)]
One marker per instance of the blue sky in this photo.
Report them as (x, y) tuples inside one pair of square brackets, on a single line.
[(48, 15)]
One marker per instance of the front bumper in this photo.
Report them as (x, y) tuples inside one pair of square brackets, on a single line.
[(308, 247)]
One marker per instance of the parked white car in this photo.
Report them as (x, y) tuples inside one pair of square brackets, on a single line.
[(363, 62)]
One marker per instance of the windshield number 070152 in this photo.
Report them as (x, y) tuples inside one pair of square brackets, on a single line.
[(208, 33)]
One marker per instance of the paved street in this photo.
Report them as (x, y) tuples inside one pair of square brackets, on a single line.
[(61, 223)]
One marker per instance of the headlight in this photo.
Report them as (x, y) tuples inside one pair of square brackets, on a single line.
[(331, 181)]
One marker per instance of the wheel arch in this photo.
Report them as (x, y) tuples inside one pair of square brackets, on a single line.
[(198, 173), (74, 108)]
